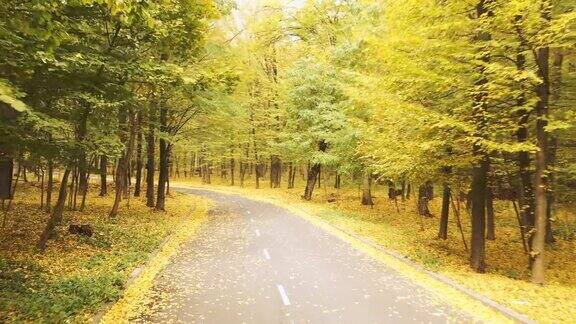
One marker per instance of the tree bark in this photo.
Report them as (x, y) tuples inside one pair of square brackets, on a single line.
[(138, 184), (423, 198), (367, 190), (275, 171), (541, 182), (49, 186), (478, 206), (553, 146), (480, 169), (291, 172), (164, 162), (490, 226), (313, 173), (232, 169), (150, 163), (103, 175), (124, 161), (444, 214), (56, 216)]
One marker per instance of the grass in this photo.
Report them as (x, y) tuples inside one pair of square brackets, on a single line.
[(77, 276), (507, 276)]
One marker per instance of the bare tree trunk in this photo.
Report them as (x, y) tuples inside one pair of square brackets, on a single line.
[(444, 214), (103, 175), (275, 171), (50, 185), (291, 172), (313, 173), (124, 161), (150, 167), (490, 226), (164, 162), (423, 198), (541, 180), (478, 198), (139, 164), (555, 87), (367, 190), (553, 146), (56, 216), (232, 168), (480, 169)]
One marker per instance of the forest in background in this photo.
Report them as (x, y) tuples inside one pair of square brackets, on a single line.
[(470, 102)]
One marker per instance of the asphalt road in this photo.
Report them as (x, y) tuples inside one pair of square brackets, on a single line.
[(254, 262)]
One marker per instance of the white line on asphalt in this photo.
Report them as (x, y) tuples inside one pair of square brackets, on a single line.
[(266, 254), (283, 295), (257, 233)]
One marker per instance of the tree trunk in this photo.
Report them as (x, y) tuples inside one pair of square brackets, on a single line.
[(50, 186), (232, 169), (444, 214), (555, 87), (138, 184), (541, 181), (291, 172), (478, 206), (367, 190), (313, 173), (480, 169), (56, 216), (423, 198), (553, 146), (337, 181), (275, 172), (164, 162), (150, 163), (122, 169), (490, 226), (103, 175)]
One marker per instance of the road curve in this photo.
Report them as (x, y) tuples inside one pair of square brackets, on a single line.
[(254, 262)]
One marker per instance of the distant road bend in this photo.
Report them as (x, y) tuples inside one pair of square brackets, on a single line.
[(254, 262)]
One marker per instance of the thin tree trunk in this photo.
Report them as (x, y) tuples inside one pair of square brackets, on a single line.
[(423, 198), (103, 175), (139, 164), (50, 186), (150, 167), (313, 173), (275, 171), (56, 216), (490, 226), (232, 168), (444, 214), (122, 170), (164, 162)]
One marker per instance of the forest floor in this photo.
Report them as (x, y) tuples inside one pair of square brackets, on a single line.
[(77, 276), (400, 229)]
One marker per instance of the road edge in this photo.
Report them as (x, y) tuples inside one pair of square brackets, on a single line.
[(141, 279), (318, 222)]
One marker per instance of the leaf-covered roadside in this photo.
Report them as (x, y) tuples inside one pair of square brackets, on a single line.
[(76, 275)]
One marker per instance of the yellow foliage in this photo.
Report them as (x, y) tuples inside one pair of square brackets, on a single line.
[(115, 249)]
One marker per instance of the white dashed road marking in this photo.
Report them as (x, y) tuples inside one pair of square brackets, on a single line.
[(266, 254), (283, 295), (257, 233)]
